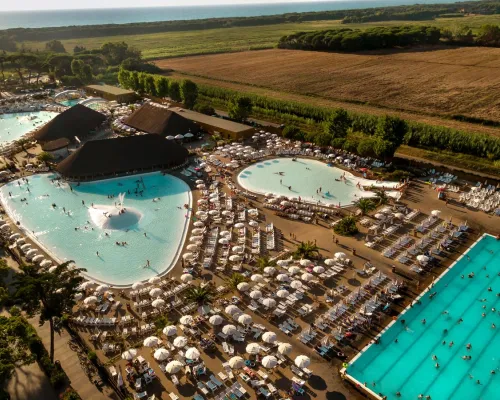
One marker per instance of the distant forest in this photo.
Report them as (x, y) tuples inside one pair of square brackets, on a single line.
[(419, 12)]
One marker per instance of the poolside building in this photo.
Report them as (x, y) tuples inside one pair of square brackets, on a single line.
[(76, 122), (156, 119), (58, 148), (126, 155), (111, 93)]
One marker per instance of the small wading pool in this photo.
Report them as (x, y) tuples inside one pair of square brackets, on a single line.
[(303, 178), (155, 214)]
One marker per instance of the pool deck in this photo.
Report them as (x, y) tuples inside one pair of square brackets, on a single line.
[(353, 380)]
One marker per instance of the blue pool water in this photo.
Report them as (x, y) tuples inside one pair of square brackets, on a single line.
[(161, 220), (408, 367), (70, 102), (13, 126), (305, 176)]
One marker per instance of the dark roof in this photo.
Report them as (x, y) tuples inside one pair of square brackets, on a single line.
[(113, 90), (121, 155), (159, 120), (56, 144), (75, 121)]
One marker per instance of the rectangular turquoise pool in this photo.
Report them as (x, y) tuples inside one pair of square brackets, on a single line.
[(464, 310)]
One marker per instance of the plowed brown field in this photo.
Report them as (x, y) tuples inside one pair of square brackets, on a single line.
[(434, 82)]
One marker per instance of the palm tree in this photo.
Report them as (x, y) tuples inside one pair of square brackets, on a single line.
[(45, 157), (306, 250), (200, 295), (235, 280), (23, 142), (381, 197), (365, 205), (263, 262)]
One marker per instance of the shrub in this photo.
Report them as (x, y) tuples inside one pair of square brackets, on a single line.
[(70, 394), (346, 226), (58, 379), (92, 356)]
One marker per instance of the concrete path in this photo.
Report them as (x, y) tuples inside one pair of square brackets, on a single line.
[(30, 382)]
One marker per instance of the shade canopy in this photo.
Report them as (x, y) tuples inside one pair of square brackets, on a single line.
[(253, 348), (151, 341), (173, 367), (236, 362), (180, 341), (129, 354), (161, 354), (232, 309), (228, 329), (170, 330), (186, 320), (269, 337), (285, 348), (269, 362), (245, 319), (192, 353), (302, 361), (215, 320)]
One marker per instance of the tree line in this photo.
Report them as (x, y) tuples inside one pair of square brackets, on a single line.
[(346, 39), (420, 12)]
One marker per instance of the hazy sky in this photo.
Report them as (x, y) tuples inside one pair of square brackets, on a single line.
[(6, 5)]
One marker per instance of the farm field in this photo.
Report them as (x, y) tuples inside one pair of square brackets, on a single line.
[(441, 82), (175, 44)]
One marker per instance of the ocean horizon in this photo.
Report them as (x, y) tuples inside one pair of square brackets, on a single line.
[(102, 16)]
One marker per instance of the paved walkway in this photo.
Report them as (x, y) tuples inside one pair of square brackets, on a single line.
[(30, 382)]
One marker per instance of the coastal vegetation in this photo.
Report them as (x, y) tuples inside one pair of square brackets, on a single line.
[(346, 226), (307, 250)]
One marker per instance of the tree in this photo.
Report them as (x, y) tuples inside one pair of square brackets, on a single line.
[(55, 46), (45, 157), (149, 84), (338, 123), (7, 43), (264, 262), (23, 142), (365, 205), (174, 91), (124, 78), (489, 35), (49, 293), (239, 107), (200, 295), (204, 108), (306, 250), (235, 280), (161, 86), (381, 197), (392, 129), (346, 226), (189, 93), (115, 53), (79, 49)]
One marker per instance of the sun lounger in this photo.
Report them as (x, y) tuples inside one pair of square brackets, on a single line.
[(216, 381), (212, 386)]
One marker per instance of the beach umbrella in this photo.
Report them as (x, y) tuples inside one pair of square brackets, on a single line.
[(90, 300), (186, 278), (154, 280), (225, 233), (155, 292), (215, 320), (161, 354), (188, 135), (269, 337), (268, 302), (269, 270), (269, 362), (137, 285), (436, 212), (200, 213), (201, 186), (173, 367), (235, 258), (305, 262), (340, 255), (170, 330), (85, 285), (319, 269), (238, 249), (37, 258), (282, 263), (196, 238), (253, 223), (101, 288), (399, 215), (422, 258), (201, 201), (285, 348), (199, 224), (179, 136), (129, 354), (307, 277), (302, 361), (294, 270), (255, 294), (180, 341), (158, 303), (282, 278), (226, 212), (245, 319), (236, 362), (223, 241), (78, 296), (239, 225), (45, 263), (379, 216), (170, 137), (197, 231), (151, 341), (296, 284), (257, 278), (253, 348), (199, 181), (192, 353), (228, 329), (232, 309), (192, 247), (243, 286), (52, 269), (282, 293), (186, 320), (330, 261), (285, 203)]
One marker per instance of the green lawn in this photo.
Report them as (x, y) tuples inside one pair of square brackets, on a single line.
[(175, 44)]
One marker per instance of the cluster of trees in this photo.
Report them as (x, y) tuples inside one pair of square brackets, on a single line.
[(160, 86), (488, 35), (409, 12), (345, 39)]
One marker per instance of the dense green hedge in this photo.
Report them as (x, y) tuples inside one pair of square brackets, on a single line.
[(346, 39)]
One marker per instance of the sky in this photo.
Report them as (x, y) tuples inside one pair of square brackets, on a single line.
[(6, 5)]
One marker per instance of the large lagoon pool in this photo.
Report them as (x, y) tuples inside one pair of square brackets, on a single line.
[(15, 125), (453, 314), (152, 226), (305, 176)]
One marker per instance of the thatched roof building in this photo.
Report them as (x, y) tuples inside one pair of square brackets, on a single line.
[(75, 121), (161, 121), (133, 154)]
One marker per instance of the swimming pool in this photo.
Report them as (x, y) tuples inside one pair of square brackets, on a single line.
[(13, 126), (155, 214), (70, 102), (305, 177), (454, 314)]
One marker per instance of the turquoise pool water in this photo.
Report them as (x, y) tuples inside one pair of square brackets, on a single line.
[(408, 366), (14, 126), (70, 103), (154, 214), (305, 176)]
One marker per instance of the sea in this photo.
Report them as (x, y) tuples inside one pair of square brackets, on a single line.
[(101, 16)]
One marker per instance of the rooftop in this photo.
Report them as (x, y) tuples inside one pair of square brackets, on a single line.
[(220, 123), (110, 89)]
